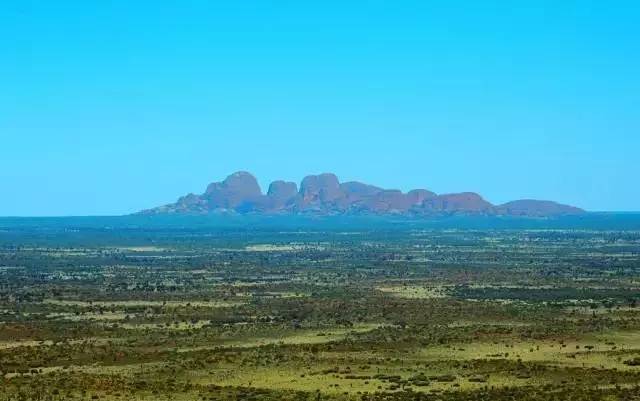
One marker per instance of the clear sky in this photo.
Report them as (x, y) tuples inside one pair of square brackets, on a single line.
[(108, 107)]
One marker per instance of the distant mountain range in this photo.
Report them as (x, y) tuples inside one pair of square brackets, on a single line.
[(323, 194)]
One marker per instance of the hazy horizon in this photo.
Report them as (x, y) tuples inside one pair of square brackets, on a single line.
[(107, 109)]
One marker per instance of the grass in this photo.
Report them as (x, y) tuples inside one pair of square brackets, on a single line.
[(414, 291), (144, 303), (291, 337)]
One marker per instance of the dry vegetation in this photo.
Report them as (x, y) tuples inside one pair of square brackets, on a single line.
[(385, 314)]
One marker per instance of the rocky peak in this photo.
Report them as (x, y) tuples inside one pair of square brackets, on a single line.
[(539, 208), (234, 190), (417, 196), (282, 190), (323, 194), (324, 187), (357, 189), (461, 202)]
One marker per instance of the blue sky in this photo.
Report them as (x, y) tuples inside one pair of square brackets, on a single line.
[(111, 107)]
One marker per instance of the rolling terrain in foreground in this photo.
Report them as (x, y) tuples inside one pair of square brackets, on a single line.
[(323, 195), (239, 308)]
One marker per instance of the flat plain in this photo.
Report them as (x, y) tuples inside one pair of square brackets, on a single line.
[(388, 312)]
